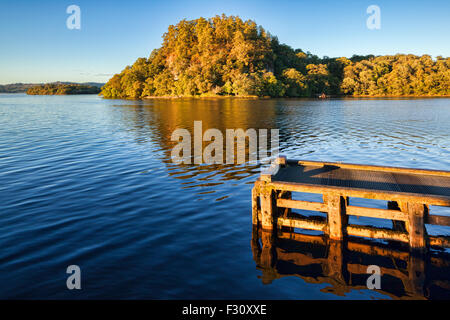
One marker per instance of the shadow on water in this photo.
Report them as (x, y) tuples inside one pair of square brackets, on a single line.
[(342, 265)]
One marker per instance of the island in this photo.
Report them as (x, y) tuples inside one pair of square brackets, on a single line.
[(226, 56), (62, 89)]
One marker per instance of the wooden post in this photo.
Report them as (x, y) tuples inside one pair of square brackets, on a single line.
[(267, 205), (417, 231), (337, 221), (255, 194), (281, 160)]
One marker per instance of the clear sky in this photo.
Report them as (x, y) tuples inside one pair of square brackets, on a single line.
[(37, 46)]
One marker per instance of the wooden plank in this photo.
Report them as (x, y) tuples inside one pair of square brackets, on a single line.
[(302, 223), (377, 233), (438, 220), (363, 193), (375, 168), (376, 213), (303, 205)]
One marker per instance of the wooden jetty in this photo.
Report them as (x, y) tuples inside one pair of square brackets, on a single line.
[(410, 194)]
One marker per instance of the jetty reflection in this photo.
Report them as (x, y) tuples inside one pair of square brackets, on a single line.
[(343, 264)]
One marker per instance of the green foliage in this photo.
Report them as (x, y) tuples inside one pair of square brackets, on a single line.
[(225, 55), (62, 89), (397, 76)]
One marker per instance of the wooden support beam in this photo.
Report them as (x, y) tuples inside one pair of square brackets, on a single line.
[(377, 233), (267, 208), (255, 195), (376, 213), (438, 220), (362, 193), (272, 202), (303, 205), (336, 215), (398, 225), (302, 223), (281, 160), (417, 231)]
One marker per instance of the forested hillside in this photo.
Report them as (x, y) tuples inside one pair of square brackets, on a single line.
[(62, 89), (225, 55)]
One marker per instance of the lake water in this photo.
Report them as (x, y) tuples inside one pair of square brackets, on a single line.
[(88, 181)]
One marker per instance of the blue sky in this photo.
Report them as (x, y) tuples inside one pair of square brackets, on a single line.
[(36, 45)]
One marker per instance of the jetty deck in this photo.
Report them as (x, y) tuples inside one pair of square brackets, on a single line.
[(409, 194)]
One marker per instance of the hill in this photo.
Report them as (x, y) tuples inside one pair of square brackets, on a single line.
[(23, 87), (225, 55), (62, 89)]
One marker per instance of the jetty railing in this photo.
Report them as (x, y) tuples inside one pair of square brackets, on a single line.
[(409, 194)]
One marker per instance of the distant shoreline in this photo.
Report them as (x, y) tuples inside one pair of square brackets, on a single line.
[(62, 89), (365, 97), (23, 87)]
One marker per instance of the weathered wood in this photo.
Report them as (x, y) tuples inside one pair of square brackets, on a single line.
[(281, 160), (362, 193), (377, 233), (416, 212), (283, 195), (409, 211), (376, 213), (302, 223), (396, 224), (266, 199), (303, 205), (255, 196), (438, 220), (336, 216)]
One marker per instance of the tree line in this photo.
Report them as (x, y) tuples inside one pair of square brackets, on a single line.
[(225, 55), (62, 89)]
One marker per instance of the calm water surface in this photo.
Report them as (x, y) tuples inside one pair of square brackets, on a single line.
[(89, 181)]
